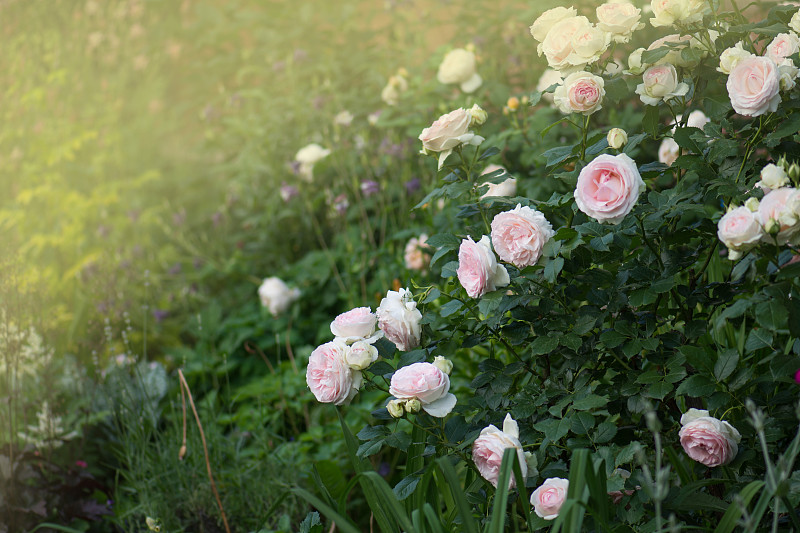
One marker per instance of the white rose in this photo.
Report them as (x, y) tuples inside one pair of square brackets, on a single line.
[(308, 156), (458, 66), (660, 83), (788, 74), (617, 138), (795, 22), (547, 20), (670, 12), (276, 296), (478, 115), (343, 118), (676, 43), (582, 92), (549, 77), (731, 57), (619, 19), (572, 43), (635, 65), (697, 119), (360, 355), (399, 318), (772, 177), (668, 151), (443, 364), (504, 188)]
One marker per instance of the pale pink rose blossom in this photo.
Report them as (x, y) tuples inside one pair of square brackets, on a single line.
[(783, 46), (739, 230), (488, 449), (356, 324), (399, 319), (548, 498), (519, 235), (415, 256), (753, 86), (504, 188), (328, 375), (426, 383), (581, 92), (660, 83), (708, 440), (608, 188), (447, 132), (778, 209), (478, 270)]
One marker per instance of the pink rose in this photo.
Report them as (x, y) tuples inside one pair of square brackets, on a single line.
[(608, 188), (520, 234), (426, 383), (797, 376), (740, 231), (488, 449), (754, 85), (708, 440), (399, 318), (478, 270), (416, 258), (329, 377), (447, 132), (548, 498), (581, 92), (356, 324), (778, 211), (783, 46)]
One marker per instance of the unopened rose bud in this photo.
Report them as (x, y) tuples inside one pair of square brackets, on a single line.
[(513, 103), (752, 204), (794, 171), (617, 138), (772, 227), (506, 110), (470, 47), (525, 100), (445, 365), (402, 72), (395, 408), (413, 406), (478, 115)]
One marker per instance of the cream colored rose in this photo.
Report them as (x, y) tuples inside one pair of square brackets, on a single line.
[(620, 20), (669, 151), (617, 138), (660, 83), (671, 12), (788, 73), (795, 22), (676, 43), (447, 132), (415, 257), (308, 156), (547, 20), (581, 92), (783, 46), (772, 177), (360, 355), (504, 188), (778, 214), (635, 65), (458, 66), (478, 115), (276, 296), (396, 86), (549, 77), (573, 43), (731, 57)]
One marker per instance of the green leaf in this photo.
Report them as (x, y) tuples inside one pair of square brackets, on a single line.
[(592, 401), (726, 364), (406, 486), (771, 315), (311, 523), (464, 509), (732, 515), (553, 268), (443, 240), (450, 307), (757, 338), (696, 386), (543, 345)]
